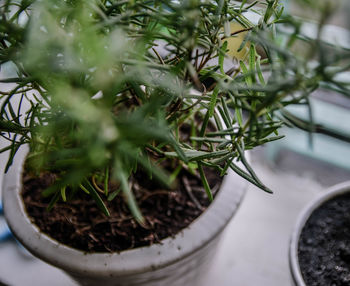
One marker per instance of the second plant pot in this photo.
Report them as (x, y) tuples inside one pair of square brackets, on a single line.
[(181, 260), (319, 251)]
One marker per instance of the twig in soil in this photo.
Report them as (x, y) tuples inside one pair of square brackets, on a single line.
[(185, 167), (146, 196), (96, 186), (108, 249), (117, 220), (190, 193), (119, 232), (93, 237), (36, 204), (156, 238), (132, 242), (112, 229)]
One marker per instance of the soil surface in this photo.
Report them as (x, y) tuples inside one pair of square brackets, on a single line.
[(80, 224), (324, 246)]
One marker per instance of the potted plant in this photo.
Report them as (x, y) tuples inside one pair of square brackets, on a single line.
[(134, 114), (319, 249)]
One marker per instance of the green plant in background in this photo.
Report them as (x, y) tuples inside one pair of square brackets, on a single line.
[(105, 88)]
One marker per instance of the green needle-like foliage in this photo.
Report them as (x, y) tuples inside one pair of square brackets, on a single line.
[(104, 87)]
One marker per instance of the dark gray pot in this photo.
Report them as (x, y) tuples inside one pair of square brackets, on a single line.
[(297, 279)]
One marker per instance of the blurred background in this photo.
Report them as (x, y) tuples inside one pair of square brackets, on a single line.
[(254, 250)]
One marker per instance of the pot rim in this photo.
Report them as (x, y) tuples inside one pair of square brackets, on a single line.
[(188, 241), (328, 194)]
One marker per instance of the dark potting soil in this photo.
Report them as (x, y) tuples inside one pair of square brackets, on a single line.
[(80, 224), (324, 245)]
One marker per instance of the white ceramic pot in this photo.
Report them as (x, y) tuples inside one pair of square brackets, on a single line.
[(340, 189), (177, 261)]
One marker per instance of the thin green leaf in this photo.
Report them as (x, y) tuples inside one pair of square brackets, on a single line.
[(227, 165), (130, 199), (242, 5), (53, 201), (175, 173), (221, 4), (252, 62), (238, 111), (222, 54), (8, 126), (204, 124), (249, 168), (101, 205), (246, 73), (259, 72), (213, 100), (84, 189), (63, 194), (244, 43), (194, 155), (246, 176), (112, 195), (218, 122), (251, 5), (206, 139), (13, 152), (106, 180), (12, 112), (269, 10), (205, 182), (178, 150), (227, 116)]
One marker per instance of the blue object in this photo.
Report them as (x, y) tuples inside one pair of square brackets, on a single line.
[(5, 232)]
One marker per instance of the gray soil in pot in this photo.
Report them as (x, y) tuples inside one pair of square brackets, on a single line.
[(324, 245)]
